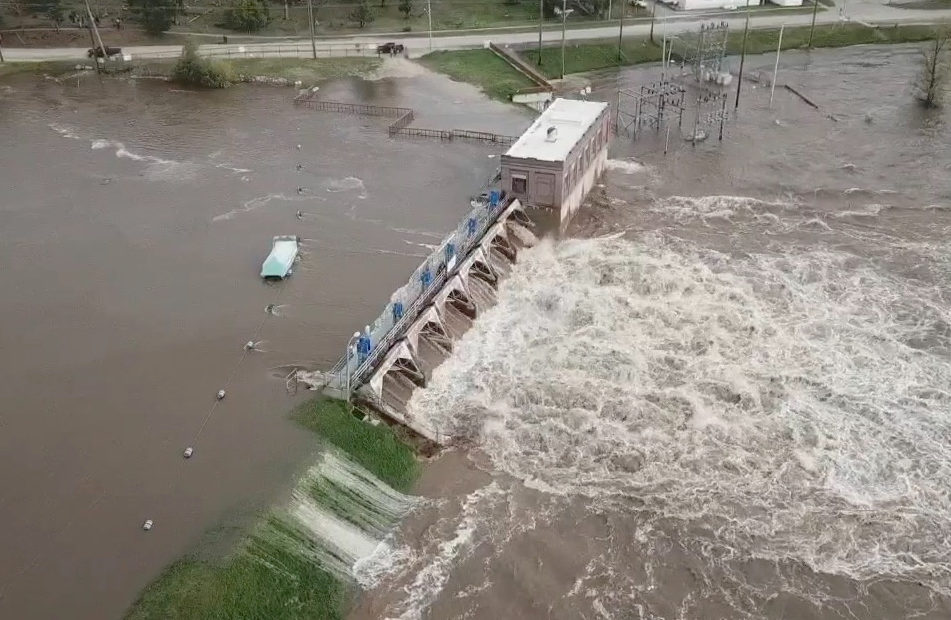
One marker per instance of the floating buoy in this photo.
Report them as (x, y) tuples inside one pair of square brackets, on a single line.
[(220, 394), (147, 525), (189, 451)]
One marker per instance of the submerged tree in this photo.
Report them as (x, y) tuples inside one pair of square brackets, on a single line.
[(194, 70), (362, 14), (934, 71)]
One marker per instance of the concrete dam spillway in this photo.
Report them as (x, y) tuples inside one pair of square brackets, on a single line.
[(423, 336), (551, 167)]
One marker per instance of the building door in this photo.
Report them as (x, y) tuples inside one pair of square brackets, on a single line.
[(544, 189)]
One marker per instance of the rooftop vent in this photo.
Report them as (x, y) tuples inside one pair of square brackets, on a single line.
[(552, 134)]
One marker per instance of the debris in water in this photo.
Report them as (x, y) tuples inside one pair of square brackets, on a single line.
[(220, 394), (699, 136), (269, 308), (300, 190), (298, 147), (189, 451), (147, 525), (249, 345), (300, 167), (300, 215)]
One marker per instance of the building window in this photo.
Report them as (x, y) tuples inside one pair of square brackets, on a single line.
[(519, 184)]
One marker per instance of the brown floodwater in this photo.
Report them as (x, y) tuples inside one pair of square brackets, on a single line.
[(134, 217), (725, 393)]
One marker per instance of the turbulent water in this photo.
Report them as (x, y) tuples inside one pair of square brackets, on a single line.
[(726, 397), (339, 520)]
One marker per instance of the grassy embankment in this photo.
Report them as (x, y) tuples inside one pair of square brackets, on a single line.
[(483, 68), (499, 80), (306, 70), (273, 574), (590, 56)]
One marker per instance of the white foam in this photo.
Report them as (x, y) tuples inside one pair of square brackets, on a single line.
[(785, 400), (627, 166), (157, 168), (363, 552), (65, 131), (257, 203), (386, 559), (346, 184), (432, 578)]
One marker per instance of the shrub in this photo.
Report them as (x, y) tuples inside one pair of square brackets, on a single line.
[(248, 15), (197, 71)]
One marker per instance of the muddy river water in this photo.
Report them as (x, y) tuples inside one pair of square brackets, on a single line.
[(725, 395), (133, 221)]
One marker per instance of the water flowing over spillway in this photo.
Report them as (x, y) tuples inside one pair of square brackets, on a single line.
[(719, 401), (781, 399), (339, 520)]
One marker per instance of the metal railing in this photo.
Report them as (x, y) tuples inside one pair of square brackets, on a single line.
[(350, 371), (401, 126)]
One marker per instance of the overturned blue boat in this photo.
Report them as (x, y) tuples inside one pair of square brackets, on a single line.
[(280, 261)]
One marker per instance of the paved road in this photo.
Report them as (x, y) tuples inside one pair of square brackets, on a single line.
[(867, 11)]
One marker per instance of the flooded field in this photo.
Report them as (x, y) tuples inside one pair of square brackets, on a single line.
[(134, 218), (726, 395)]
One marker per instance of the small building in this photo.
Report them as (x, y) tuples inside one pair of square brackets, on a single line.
[(557, 161)]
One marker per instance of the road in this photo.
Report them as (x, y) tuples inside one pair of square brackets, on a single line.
[(870, 12)]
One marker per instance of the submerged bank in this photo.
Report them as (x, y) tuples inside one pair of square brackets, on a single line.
[(284, 71), (306, 559), (499, 80)]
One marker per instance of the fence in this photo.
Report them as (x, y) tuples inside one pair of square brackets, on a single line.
[(354, 367), (400, 127)]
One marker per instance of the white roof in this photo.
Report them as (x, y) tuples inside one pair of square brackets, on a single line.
[(570, 118)]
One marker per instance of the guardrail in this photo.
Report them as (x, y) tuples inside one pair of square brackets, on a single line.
[(354, 367)]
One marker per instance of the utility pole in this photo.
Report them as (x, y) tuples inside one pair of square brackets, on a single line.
[(564, 23), (779, 48), (653, 10), (541, 19), (739, 78), (92, 25), (310, 18), (429, 10), (663, 51), (812, 29), (620, 36), (1, 48), (285, 10), (609, 10)]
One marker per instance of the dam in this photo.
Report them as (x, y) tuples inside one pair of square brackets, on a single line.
[(549, 170)]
